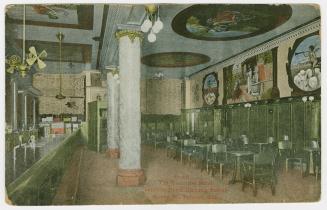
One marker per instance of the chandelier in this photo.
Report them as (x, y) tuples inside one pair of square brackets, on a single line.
[(60, 36), (152, 22)]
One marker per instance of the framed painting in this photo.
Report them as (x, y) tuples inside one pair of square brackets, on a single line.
[(304, 65), (250, 80), (210, 89)]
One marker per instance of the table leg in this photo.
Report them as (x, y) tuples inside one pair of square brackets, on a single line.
[(233, 180), (238, 169), (311, 169)]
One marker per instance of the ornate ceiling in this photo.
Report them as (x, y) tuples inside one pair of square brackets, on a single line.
[(89, 31)]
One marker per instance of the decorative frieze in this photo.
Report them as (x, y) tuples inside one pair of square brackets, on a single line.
[(299, 32), (310, 28)]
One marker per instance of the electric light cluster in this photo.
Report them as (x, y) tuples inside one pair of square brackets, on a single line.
[(152, 22)]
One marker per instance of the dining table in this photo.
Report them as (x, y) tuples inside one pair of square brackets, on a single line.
[(260, 144), (237, 164)]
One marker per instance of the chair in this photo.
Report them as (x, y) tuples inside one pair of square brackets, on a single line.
[(159, 140), (187, 149), (199, 155), (272, 142), (286, 151), (318, 165), (220, 138), (314, 158), (206, 157), (218, 158), (171, 146), (261, 170)]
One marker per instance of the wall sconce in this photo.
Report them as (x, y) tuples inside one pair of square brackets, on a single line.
[(247, 105), (304, 99), (158, 75), (311, 98)]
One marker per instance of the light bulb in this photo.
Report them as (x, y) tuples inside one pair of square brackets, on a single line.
[(152, 37), (311, 98), (158, 25), (304, 99), (145, 27)]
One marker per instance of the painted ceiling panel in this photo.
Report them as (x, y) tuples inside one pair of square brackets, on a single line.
[(167, 39), (66, 14)]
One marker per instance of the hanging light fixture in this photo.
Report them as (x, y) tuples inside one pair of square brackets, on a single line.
[(14, 62), (60, 36), (152, 22)]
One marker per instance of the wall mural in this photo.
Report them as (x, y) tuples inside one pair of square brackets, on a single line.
[(52, 11), (250, 80), (210, 89), (174, 59), (304, 67), (229, 21)]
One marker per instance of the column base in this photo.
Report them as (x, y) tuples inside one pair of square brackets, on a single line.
[(113, 153), (275, 92), (130, 177)]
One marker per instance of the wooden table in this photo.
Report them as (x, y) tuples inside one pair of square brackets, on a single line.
[(260, 145), (237, 164)]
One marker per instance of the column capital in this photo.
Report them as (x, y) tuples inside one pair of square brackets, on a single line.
[(131, 34), (132, 31), (113, 70)]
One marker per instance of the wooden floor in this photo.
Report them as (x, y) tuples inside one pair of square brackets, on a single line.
[(168, 181)]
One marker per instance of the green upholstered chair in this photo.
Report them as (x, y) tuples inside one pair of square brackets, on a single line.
[(261, 170)]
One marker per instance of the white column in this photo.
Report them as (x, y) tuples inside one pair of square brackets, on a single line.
[(25, 111), (130, 172), (14, 101), (34, 112), (113, 114)]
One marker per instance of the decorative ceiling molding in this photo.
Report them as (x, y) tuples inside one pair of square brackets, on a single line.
[(275, 42)]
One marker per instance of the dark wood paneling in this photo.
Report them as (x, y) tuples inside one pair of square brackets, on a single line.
[(262, 120)]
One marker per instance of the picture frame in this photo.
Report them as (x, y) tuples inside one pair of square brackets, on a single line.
[(295, 83)]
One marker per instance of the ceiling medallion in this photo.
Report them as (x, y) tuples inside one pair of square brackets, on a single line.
[(174, 59)]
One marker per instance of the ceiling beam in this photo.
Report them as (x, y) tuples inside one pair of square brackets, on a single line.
[(103, 28)]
